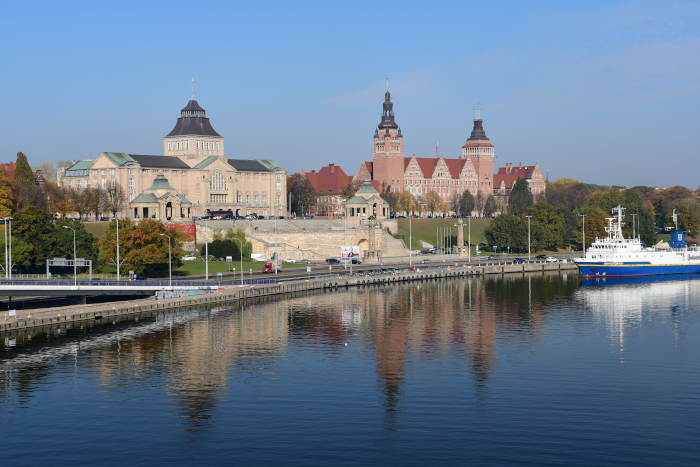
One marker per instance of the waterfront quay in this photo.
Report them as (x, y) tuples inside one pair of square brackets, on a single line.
[(74, 316)]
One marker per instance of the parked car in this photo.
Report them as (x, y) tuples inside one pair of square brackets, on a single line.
[(494, 257), (356, 261), (104, 219), (281, 217), (518, 261), (141, 278), (332, 261), (191, 257), (307, 261), (290, 260), (257, 257), (425, 261), (541, 257), (551, 259)]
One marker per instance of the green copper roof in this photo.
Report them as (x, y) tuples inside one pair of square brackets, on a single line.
[(145, 198), (81, 165), (205, 162), (184, 200), (367, 188), (160, 183), (119, 158), (270, 165), (356, 200)]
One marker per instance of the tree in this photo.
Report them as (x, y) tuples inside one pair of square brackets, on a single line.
[(239, 234), (479, 201), (595, 226), (455, 203), (81, 200), (26, 193), (349, 190), (548, 226), (48, 171), (115, 199), (570, 195), (466, 204), (520, 197), (21, 253), (303, 193), (687, 219), (33, 226), (433, 202), (507, 230), (85, 242), (141, 246), (6, 193), (407, 202), (390, 197), (96, 200), (490, 206)]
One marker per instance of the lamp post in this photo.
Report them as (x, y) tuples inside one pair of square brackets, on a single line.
[(277, 259), (75, 259), (634, 232), (170, 261), (9, 238), (241, 253), (4, 219), (528, 237), (206, 249), (410, 244), (118, 276), (583, 236), (469, 241)]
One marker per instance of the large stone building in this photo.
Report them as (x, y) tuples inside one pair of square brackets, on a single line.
[(472, 171), (194, 176), (328, 184)]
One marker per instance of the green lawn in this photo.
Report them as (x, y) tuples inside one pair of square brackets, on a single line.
[(190, 268), (426, 230), (98, 229)]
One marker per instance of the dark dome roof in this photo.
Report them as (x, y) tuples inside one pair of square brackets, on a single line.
[(478, 133), (387, 113), (193, 120)]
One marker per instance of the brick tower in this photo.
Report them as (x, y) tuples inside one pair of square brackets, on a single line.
[(388, 165), (480, 151)]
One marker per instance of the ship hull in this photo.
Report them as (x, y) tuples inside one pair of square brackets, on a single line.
[(593, 269)]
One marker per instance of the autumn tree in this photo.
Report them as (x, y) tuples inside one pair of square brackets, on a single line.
[(81, 200), (433, 202), (6, 193), (687, 219), (549, 226), (466, 204), (48, 171), (27, 193), (455, 203), (96, 200), (390, 197), (479, 201), (520, 197), (408, 202), (349, 190)]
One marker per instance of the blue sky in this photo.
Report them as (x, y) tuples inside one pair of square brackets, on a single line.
[(604, 92)]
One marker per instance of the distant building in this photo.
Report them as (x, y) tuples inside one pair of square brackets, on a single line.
[(329, 183), (194, 176), (506, 177)]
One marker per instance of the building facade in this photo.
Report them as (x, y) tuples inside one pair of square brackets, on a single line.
[(328, 184), (194, 176)]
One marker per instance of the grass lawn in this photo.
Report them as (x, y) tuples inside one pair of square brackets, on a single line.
[(426, 230), (98, 229), (190, 268)]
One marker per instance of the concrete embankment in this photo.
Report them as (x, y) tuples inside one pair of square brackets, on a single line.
[(77, 316)]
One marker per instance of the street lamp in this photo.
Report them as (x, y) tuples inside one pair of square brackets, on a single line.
[(584, 233), (410, 244), (118, 276), (170, 260), (634, 232), (206, 249), (469, 240), (528, 237), (75, 259), (241, 253)]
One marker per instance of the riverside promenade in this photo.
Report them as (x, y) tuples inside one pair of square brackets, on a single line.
[(76, 316)]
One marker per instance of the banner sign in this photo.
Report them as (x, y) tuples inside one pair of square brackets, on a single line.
[(351, 251)]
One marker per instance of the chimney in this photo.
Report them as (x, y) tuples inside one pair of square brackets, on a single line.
[(521, 165), (332, 166)]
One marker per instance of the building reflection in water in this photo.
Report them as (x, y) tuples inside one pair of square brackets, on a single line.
[(198, 358)]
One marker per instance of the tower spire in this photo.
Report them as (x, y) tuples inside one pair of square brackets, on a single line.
[(192, 88), (478, 110)]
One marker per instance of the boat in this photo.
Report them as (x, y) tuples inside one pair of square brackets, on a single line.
[(616, 256)]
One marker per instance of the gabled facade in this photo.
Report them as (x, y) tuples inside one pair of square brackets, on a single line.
[(328, 184)]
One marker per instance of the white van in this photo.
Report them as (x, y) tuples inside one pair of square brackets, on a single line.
[(257, 257)]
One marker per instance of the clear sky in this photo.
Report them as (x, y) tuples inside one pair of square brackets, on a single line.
[(604, 92)]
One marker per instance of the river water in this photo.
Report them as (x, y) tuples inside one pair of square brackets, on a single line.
[(513, 370)]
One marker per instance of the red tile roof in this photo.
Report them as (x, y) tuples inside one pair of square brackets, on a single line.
[(328, 181), (10, 168), (508, 175), (478, 144)]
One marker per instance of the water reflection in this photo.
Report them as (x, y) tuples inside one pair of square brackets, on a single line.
[(199, 360)]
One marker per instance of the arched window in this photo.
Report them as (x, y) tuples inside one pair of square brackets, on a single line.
[(217, 183)]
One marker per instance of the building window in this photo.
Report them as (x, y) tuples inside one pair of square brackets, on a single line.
[(77, 185), (217, 145), (196, 145), (239, 198), (131, 171), (278, 186), (264, 199), (104, 183), (278, 176), (113, 182), (279, 198), (131, 183), (131, 197), (247, 199), (70, 183), (217, 182), (87, 183), (104, 171), (188, 145), (255, 199), (217, 198), (111, 172), (207, 145), (169, 147)]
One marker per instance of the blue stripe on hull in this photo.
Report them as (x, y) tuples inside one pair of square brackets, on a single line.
[(597, 270)]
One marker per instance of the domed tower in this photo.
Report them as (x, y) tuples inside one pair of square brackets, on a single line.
[(479, 150), (193, 139), (388, 148)]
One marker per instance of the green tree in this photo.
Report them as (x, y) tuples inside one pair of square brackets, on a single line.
[(27, 193), (85, 242), (549, 226), (34, 227), (21, 253), (391, 197), (466, 204), (520, 197), (408, 202), (303, 193), (507, 230), (239, 234), (433, 202)]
